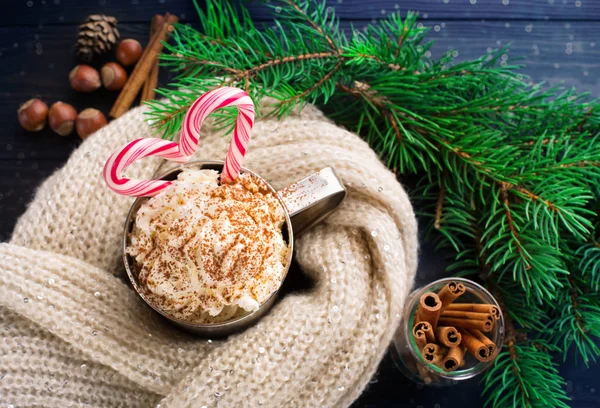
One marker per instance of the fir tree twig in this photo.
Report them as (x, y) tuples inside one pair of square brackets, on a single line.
[(511, 172)]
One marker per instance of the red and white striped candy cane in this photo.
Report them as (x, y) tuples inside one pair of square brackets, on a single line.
[(182, 152), (207, 104), (131, 152)]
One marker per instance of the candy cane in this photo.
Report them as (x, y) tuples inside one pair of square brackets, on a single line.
[(204, 106), (182, 152), (131, 152)]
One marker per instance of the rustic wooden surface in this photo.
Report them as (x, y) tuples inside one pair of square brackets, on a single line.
[(560, 40)]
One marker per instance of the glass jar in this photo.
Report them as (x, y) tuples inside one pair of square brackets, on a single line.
[(408, 357)]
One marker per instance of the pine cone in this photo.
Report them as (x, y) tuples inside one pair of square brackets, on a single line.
[(97, 35)]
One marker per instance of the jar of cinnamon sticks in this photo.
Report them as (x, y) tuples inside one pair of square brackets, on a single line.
[(452, 330)]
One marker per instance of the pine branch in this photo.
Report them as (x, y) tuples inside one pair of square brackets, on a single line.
[(511, 184), (523, 375), (577, 321), (589, 263), (511, 225), (440, 204), (301, 9)]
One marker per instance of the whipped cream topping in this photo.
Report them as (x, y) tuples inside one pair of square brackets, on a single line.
[(204, 249)]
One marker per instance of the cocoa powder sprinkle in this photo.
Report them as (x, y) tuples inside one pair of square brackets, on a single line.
[(207, 247)]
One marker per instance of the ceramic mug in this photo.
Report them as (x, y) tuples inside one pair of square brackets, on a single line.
[(305, 203)]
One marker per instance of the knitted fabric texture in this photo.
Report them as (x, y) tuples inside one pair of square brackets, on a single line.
[(74, 333)]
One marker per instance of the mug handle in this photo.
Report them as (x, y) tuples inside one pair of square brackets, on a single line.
[(313, 198)]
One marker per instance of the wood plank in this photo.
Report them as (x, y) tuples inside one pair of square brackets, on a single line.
[(26, 74), (458, 9), (45, 12), (555, 52), (39, 66)]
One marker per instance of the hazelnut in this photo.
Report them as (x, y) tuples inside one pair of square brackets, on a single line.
[(84, 78), (32, 115), (88, 121), (113, 76), (62, 118), (129, 51)]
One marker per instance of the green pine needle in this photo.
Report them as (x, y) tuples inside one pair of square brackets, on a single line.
[(576, 321), (588, 257), (510, 185), (524, 375)]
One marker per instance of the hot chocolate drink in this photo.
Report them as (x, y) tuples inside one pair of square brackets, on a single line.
[(207, 251)]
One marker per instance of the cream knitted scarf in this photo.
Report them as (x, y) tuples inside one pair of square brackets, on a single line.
[(75, 334)]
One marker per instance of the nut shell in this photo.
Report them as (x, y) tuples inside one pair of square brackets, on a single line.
[(32, 115), (62, 118), (84, 78), (88, 121), (113, 76), (129, 51)]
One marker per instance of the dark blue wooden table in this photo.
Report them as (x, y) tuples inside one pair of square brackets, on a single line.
[(560, 40)]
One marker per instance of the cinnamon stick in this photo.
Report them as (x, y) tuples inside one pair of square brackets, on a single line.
[(485, 340), (454, 359), (143, 67), (152, 81), (479, 350), (450, 293), (448, 336), (426, 329), (433, 353), (420, 338), (459, 314), (476, 307), (429, 309), (483, 325)]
